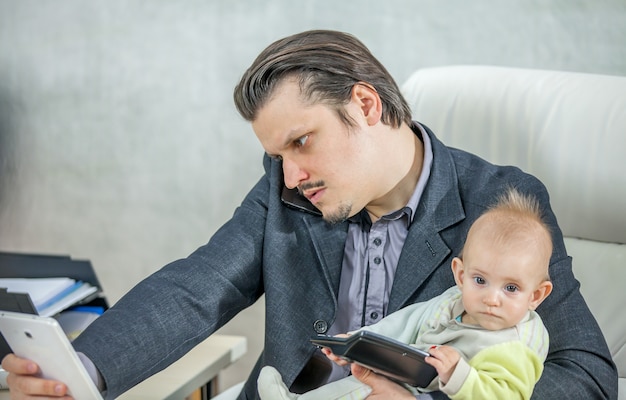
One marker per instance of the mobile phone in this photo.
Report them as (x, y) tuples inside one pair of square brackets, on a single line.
[(42, 340), (293, 199)]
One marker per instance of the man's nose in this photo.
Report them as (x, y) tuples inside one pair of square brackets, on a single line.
[(293, 174)]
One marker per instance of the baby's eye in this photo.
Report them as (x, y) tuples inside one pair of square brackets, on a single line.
[(301, 141), (511, 288), (479, 280)]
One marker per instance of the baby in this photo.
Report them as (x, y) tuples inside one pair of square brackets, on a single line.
[(483, 335)]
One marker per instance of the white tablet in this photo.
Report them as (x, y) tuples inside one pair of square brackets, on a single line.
[(42, 340)]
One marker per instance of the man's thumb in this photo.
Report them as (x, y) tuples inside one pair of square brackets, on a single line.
[(361, 373)]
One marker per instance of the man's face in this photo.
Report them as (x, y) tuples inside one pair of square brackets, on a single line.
[(321, 156)]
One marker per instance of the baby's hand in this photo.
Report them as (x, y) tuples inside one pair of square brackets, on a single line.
[(444, 359), (331, 356)]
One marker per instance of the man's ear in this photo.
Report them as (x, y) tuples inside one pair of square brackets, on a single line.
[(458, 271), (539, 294), (368, 100)]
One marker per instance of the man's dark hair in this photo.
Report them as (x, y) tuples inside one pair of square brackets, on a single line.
[(327, 64)]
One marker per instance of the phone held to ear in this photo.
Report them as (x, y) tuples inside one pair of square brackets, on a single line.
[(293, 199)]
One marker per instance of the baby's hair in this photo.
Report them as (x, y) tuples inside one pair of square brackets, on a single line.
[(521, 205), (518, 215), (513, 200)]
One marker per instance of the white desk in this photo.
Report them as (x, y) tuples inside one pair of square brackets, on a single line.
[(194, 370)]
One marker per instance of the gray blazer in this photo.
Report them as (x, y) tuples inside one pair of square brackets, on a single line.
[(294, 258)]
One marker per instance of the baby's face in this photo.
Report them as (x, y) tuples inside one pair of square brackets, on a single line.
[(500, 285)]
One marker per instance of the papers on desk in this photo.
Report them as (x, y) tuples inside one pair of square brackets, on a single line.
[(50, 295), (76, 320)]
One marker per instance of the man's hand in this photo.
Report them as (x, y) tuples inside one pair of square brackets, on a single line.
[(332, 357), (444, 359), (23, 382), (382, 388)]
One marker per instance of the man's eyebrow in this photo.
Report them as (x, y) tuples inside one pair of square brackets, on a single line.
[(292, 135)]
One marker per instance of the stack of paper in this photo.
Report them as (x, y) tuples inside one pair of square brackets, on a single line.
[(75, 321), (50, 295)]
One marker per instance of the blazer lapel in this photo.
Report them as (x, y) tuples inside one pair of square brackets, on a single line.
[(439, 208), (329, 242), (422, 253)]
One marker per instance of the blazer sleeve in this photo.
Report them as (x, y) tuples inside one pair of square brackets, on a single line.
[(177, 307), (578, 351)]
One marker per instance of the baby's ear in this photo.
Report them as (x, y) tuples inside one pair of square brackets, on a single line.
[(458, 271), (539, 295)]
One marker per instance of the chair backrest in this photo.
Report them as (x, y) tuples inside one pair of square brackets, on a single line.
[(569, 130)]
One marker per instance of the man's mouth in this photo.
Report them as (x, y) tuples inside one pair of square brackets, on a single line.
[(314, 195), (312, 190)]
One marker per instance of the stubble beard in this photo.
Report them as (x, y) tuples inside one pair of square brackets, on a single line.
[(342, 213)]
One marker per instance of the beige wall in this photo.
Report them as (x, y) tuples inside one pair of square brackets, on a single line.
[(118, 138)]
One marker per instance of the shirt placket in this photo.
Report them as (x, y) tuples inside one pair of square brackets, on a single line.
[(373, 309)]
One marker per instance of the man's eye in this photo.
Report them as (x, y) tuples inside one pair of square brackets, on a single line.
[(301, 141)]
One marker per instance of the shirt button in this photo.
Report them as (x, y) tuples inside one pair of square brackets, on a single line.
[(320, 326), (377, 241), (374, 315), (377, 260)]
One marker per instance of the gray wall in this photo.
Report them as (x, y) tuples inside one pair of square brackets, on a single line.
[(118, 138)]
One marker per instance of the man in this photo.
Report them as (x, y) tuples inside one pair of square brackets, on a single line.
[(395, 207)]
